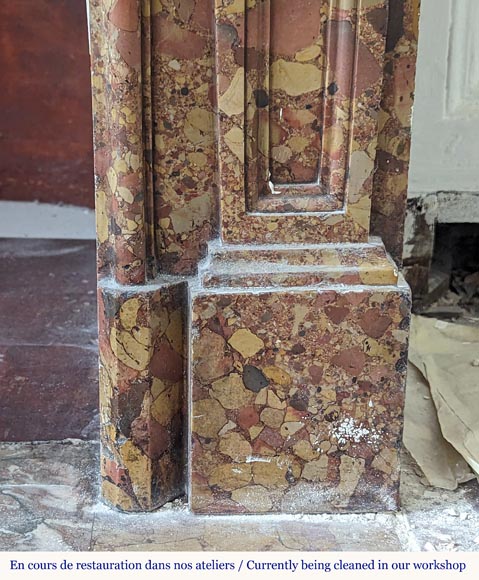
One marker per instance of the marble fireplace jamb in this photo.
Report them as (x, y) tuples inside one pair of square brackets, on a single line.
[(298, 369), (141, 313)]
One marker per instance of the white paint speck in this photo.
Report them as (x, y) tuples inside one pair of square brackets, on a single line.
[(257, 459), (350, 430)]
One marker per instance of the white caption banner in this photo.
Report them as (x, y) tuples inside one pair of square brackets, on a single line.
[(250, 565)]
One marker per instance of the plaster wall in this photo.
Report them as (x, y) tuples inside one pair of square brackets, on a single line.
[(446, 112)]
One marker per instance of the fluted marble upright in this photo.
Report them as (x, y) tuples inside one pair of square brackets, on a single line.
[(141, 312)]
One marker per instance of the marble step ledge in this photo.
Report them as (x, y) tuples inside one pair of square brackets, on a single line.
[(297, 265)]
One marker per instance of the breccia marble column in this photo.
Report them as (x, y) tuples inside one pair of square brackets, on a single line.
[(141, 313), (253, 334)]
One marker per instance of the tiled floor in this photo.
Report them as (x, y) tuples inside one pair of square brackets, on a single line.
[(49, 501)]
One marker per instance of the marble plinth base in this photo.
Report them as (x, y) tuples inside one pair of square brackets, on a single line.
[(297, 387), (142, 394)]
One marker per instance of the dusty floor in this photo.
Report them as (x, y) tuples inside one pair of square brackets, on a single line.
[(49, 501), (48, 340)]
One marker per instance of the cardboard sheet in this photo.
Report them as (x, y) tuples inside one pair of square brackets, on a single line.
[(447, 355), (442, 465)]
